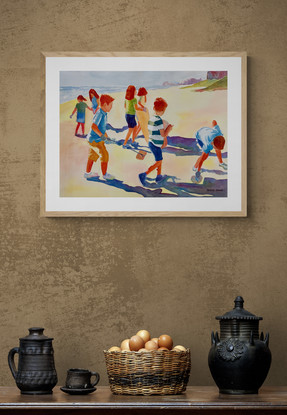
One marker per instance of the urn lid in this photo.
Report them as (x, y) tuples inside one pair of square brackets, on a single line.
[(36, 334), (238, 313)]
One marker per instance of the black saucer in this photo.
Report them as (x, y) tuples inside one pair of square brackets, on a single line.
[(77, 391)]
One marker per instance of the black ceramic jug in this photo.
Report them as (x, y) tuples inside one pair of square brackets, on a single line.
[(239, 361), (36, 374)]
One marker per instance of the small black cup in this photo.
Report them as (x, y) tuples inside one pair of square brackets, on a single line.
[(81, 379)]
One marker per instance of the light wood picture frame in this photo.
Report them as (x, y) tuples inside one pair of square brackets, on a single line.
[(144, 134)]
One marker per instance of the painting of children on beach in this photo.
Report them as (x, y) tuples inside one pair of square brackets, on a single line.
[(143, 134)]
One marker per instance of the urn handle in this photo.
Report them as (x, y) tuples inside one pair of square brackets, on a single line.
[(97, 376), (11, 361), (214, 338)]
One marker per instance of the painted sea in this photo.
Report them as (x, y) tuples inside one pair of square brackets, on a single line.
[(68, 93)]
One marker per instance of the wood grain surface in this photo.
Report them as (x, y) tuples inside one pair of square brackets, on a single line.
[(200, 398)]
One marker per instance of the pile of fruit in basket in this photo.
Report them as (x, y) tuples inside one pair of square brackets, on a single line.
[(142, 342)]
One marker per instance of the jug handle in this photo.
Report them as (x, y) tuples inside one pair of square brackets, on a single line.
[(97, 378), (11, 361)]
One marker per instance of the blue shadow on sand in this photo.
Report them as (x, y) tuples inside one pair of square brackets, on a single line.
[(117, 130), (181, 146), (209, 187), (218, 172), (135, 147), (177, 145)]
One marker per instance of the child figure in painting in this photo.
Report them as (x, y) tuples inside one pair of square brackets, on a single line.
[(142, 93), (142, 113), (80, 108), (130, 106), (157, 139), (95, 99), (207, 139), (97, 137)]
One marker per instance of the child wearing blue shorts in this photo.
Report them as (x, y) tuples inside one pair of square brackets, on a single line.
[(157, 139), (130, 107)]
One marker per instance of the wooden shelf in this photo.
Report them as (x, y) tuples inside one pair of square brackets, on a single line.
[(196, 400)]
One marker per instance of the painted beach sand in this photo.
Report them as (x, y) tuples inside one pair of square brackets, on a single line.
[(194, 101)]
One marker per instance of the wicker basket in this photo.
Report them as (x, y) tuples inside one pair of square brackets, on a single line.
[(148, 373)]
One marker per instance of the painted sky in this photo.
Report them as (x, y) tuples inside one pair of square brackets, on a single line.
[(123, 78)]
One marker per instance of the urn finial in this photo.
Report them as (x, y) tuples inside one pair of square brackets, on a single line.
[(238, 302)]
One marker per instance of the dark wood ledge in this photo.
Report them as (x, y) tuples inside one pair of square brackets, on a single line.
[(196, 400)]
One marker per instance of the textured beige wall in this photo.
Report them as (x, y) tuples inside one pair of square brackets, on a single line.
[(93, 281)]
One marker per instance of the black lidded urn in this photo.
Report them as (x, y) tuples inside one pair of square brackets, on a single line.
[(36, 374), (239, 360)]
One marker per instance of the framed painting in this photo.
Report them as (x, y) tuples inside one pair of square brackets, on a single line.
[(144, 134)]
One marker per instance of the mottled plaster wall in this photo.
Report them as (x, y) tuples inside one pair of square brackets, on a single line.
[(93, 281)]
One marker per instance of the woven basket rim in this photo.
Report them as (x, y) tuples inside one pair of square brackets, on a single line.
[(149, 351)]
